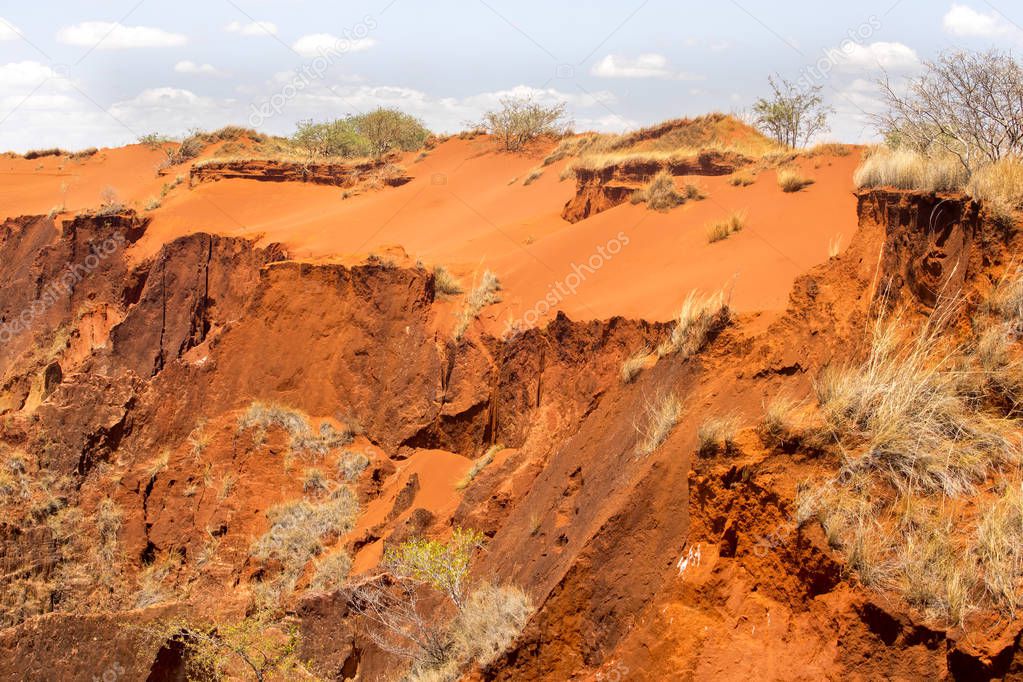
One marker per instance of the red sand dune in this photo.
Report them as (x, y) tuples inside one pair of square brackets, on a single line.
[(461, 210)]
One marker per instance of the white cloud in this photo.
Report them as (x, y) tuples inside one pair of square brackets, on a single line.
[(105, 35), (650, 65), (967, 22), (8, 31), (888, 56), (317, 44), (256, 28), (25, 77), (190, 67)]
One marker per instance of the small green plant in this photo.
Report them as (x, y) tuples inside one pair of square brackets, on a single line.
[(154, 140)]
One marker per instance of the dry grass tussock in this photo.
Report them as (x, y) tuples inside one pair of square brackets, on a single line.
[(999, 186), (723, 229), (296, 534), (695, 323), (635, 364), (662, 414), (791, 180), (485, 293), (444, 283), (660, 194), (717, 433), (478, 466), (917, 426), (908, 169), (260, 417)]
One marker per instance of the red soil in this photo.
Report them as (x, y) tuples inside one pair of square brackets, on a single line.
[(239, 290)]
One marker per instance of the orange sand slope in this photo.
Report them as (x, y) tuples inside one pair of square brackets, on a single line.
[(462, 210)]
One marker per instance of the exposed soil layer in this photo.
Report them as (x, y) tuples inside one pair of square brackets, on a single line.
[(601, 189), (346, 175)]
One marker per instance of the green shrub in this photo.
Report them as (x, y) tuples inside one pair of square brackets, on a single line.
[(389, 129), (333, 138)]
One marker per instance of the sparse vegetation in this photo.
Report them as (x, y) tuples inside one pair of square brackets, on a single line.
[(110, 203), (695, 323), (42, 153), (314, 481), (782, 421), (635, 364), (472, 625), (296, 535), (259, 417), (387, 130), (968, 105), (917, 433), (660, 194), (661, 416), (479, 465), (792, 115), (791, 180), (741, 179), (481, 295), (444, 283), (84, 153), (256, 648), (693, 192), (905, 168), (154, 140), (331, 572), (521, 120), (532, 177), (717, 433), (955, 128), (372, 134), (351, 465), (723, 229)]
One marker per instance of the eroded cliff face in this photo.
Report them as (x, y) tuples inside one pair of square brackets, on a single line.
[(600, 189), (125, 390)]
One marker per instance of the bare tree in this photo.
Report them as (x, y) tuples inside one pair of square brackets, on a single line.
[(521, 120), (791, 115), (968, 104)]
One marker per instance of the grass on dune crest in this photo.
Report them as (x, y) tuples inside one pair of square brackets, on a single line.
[(998, 185)]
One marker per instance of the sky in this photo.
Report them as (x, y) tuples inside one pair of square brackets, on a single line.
[(104, 72)]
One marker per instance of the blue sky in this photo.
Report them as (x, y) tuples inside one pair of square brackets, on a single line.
[(77, 74)]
